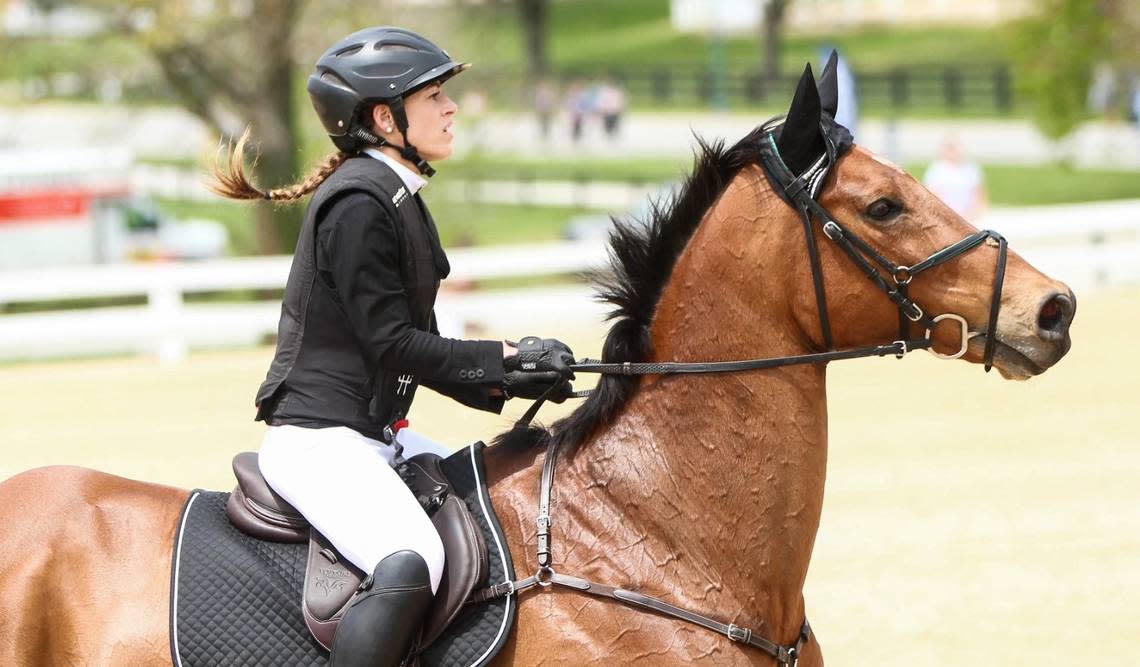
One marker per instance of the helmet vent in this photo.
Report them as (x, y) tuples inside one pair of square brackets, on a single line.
[(394, 47), (352, 50), (335, 80)]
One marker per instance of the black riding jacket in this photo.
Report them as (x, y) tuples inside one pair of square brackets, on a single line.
[(357, 332)]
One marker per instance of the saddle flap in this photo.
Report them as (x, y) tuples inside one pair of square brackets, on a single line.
[(465, 569), (330, 584)]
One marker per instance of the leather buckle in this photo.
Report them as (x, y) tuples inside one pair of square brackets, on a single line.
[(738, 634)]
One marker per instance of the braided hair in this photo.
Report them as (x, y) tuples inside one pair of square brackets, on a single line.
[(230, 181)]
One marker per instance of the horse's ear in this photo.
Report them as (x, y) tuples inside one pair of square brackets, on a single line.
[(829, 85), (800, 142)]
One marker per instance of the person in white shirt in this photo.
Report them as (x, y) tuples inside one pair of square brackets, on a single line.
[(958, 182)]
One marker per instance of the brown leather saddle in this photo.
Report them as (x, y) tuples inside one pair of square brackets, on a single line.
[(331, 582)]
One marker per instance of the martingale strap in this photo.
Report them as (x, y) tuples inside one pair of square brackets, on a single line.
[(786, 656)]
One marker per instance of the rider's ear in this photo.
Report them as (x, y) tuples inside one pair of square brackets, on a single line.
[(829, 85), (800, 142)]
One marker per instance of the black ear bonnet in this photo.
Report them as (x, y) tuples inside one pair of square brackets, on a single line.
[(799, 151)]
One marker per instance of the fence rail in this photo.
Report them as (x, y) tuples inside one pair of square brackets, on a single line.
[(1086, 245), (987, 88)]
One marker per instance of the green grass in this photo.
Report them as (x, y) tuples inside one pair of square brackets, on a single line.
[(1013, 186), (602, 169), (1053, 184), (462, 224)]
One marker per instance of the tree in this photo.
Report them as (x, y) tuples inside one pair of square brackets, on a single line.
[(772, 30), (229, 63), (1057, 48), (533, 14)]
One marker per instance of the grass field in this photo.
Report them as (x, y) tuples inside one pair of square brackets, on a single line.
[(967, 520)]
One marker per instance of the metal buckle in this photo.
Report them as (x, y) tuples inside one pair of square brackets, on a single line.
[(544, 522), (901, 352), (738, 634), (965, 335), (832, 230), (918, 316)]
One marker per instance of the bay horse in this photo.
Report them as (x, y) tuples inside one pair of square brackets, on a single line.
[(704, 491)]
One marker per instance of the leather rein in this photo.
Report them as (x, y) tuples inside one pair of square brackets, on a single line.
[(801, 191)]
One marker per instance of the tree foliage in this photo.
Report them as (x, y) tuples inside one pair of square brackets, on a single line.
[(230, 63), (1057, 49)]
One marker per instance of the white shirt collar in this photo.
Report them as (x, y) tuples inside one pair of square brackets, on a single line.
[(411, 179)]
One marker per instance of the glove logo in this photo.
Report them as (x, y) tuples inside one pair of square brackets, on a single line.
[(404, 381)]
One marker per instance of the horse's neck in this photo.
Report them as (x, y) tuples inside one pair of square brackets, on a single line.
[(708, 489)]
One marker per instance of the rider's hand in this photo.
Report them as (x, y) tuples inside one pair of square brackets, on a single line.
[(532, 385), (541, 354)]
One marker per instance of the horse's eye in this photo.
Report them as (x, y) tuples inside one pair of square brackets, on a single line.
[(883, 209)]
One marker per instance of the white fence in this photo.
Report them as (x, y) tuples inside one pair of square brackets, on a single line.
[(1087, 245), (167, 326)]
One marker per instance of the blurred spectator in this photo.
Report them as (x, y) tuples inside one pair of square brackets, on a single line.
[(1134, 102), (1102, 92), (611, 104), (579, 104), (545, 99), (958, 182)]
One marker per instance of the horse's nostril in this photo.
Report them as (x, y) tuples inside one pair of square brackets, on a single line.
[(1055, 315)]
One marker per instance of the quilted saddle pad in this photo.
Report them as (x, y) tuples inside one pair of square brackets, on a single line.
[(236, 600)]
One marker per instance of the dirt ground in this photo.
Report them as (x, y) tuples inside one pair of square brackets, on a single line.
[(968, 520)]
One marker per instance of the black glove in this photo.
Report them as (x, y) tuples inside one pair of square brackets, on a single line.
[(541, 354), (522, 384)]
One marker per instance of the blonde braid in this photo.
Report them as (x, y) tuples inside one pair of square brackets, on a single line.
[(232, 182)]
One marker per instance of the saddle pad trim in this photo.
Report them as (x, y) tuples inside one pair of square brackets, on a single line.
[(508, 565), (176, 563)]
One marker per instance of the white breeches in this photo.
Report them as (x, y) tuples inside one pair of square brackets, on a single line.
[(344, 484)]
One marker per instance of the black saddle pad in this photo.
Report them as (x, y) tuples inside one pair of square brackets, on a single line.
[(236, 600)]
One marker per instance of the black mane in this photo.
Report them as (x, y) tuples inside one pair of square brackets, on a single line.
[(642, 256)]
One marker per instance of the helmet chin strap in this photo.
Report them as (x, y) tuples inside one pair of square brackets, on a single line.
[(407, 151)]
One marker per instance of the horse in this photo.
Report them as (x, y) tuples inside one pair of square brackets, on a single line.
[(703, 490)]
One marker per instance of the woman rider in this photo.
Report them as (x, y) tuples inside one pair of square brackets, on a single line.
[(357, 332)]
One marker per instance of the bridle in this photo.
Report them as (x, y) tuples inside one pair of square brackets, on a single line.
[(801, 192)]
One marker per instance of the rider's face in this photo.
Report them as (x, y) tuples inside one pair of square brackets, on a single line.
[(431, 117)]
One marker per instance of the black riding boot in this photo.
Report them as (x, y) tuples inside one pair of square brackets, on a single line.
[(378, 628)]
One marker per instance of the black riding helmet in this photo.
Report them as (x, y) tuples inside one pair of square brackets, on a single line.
[(375, 65)]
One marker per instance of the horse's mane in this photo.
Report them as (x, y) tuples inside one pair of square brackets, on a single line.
[(642, 255)]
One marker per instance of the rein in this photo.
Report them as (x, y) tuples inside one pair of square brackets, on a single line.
[(801, 192)]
